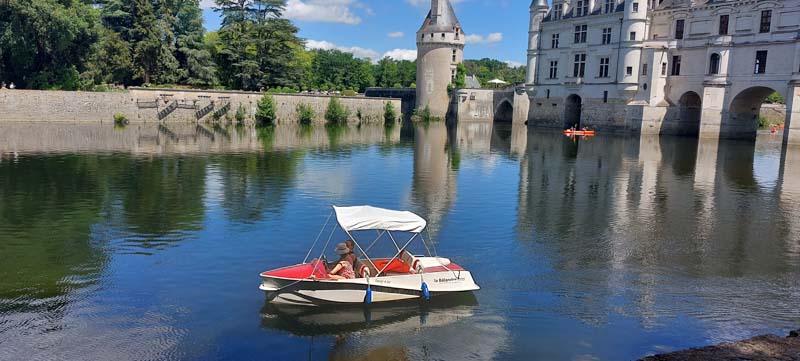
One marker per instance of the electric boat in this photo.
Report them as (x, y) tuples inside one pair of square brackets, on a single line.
[(403, 277)]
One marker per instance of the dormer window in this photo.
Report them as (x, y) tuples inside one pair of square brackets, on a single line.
[(558, 10), (609, 6)]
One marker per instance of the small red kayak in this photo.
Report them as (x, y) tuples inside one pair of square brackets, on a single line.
[(579, 133)]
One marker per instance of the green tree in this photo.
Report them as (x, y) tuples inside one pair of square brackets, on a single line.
[(145, 39), (197, 65), (265, 114), (110, 61), (389, 113), (46, 43), (461, 76), (237, 53), (387, 73), (336, 113)]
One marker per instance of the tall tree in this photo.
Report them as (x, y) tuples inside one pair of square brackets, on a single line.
[(45, 43), (196, 63), (238, 56)]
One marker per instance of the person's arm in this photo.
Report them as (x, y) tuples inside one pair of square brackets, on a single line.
[(336, 269)]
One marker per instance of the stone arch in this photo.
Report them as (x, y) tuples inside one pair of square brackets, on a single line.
[(504, 112), (572, 111), (744, 110), (690, 108)]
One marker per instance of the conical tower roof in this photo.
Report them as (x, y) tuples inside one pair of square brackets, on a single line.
[(539, 4), (441, 18)]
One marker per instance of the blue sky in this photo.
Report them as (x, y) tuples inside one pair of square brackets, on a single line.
[(375, 28)]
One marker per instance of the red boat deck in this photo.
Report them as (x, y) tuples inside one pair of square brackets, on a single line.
[(317, 268)]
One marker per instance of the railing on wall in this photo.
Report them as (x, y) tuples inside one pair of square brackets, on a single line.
[(163, 113), (204, 111), (222, 110)]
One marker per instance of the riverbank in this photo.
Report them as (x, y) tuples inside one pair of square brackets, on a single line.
[(171, 105), (759, 348)]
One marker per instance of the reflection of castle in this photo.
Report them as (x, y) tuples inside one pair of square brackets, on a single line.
[(665, 203), (434, 185), (652, 66)]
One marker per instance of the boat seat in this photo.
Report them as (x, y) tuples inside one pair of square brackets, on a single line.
[(412, 261), (364, 269)]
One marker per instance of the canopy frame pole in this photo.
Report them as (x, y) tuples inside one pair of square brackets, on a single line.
[(398, 253), (395, 242), (318, 235), (323, 251), (424, 243), (380, 234)]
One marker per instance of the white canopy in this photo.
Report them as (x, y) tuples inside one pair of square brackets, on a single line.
[(370, 218), (497, 81)]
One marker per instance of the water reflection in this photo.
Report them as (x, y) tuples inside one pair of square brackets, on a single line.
[(114, 240), (436, 163), (444, 329), (667, 210)]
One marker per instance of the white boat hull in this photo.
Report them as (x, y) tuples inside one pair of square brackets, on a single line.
[(354, 291)]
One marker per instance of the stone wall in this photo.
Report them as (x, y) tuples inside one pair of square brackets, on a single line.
[(142, 105), (407, 96), (475, 105), (775, 113), (182, 137)]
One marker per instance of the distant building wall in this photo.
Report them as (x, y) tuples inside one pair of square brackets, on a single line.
[(141, 104), (407, 96), (475, 104)]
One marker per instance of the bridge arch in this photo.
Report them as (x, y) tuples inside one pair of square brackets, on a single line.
[(572, 111), (690, 108), (744, 111), (504, 112)]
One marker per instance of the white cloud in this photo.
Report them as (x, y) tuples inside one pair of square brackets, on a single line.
[(396, 34), (364, 53), (355, 50), (330, 11), (481, 39), (401, 54), (514, 64)]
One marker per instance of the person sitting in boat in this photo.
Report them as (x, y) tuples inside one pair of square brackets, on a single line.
[(343, 269), (352, 255)]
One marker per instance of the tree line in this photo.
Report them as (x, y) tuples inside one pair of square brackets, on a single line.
[(89, 44)]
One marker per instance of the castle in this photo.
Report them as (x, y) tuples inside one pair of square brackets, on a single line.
[(440, 48), (691, 67)]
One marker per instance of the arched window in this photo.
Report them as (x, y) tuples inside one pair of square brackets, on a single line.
[(713, 66)]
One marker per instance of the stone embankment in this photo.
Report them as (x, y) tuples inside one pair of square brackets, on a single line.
[(760, 348), (170, 105)]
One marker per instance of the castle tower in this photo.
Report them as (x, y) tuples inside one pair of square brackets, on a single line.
[(634, 33), (440, 48), (539, 10)]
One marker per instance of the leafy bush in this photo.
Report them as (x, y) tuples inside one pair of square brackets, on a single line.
[(305, 113), (461, 76), (265, 113), (389, 113), (775, 98), (336, 112), (241, 114), (120, 119), (349, 93), (424, 115)]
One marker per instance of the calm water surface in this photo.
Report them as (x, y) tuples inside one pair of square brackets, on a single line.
[(145, 243)]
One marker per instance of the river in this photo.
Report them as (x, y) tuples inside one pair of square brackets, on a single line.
[(146, 242)]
